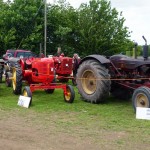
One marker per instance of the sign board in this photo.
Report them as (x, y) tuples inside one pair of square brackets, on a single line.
[(24, 101), (142, 113)]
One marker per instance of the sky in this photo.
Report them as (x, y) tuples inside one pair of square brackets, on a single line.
[(136, 13)]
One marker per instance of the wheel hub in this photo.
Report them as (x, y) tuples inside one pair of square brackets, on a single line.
[(142, 100), (91, 82), (14, 79), (88, 82)]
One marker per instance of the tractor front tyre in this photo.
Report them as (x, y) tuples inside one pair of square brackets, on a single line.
[(17, 80), (93, 81), (69, 95), (27, 92), (8, 81), (141, 97)]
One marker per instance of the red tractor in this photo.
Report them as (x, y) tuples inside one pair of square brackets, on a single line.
[(39, 73), (122, 76), (63, 67)]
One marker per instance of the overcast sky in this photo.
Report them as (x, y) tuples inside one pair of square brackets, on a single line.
[(136, 13)]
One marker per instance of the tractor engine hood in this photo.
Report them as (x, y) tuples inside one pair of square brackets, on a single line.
[(125, 62)]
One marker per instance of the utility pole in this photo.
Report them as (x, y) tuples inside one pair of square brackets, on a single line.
[(45, 27)]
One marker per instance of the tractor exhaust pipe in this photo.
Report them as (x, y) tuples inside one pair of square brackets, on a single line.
[(145, 49)]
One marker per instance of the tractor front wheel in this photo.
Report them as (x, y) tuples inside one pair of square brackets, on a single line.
[(70, 95), (141, 97), (27, 92), (17, 80)]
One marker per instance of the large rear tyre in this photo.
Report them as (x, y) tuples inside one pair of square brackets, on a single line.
[(27, 92), (17, 79), (141, 97), (70, 95), (8, 81), (93, 81)]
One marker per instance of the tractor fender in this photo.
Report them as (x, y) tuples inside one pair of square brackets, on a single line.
[(101, 59), (13, 61)]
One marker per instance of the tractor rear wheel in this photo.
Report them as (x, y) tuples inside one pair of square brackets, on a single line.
[(93, 81), (17, 79), (141, 97), (8, 81), (27, 92), (70, 95)]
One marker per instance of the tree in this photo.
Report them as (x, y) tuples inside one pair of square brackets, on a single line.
[(22, 24), (62, 22), (101, 29), (6, 34), (93, 28)]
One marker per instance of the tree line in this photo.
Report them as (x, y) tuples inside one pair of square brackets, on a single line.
[(94, 28)]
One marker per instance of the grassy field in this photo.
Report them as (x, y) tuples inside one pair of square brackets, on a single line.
[(111, 125)]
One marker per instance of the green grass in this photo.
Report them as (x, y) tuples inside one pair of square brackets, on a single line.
[(113, 119)]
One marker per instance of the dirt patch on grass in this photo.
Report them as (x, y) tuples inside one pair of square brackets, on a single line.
[(28, 132), (35, 131)]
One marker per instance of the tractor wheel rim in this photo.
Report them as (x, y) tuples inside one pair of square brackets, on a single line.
[(68, 95), (88, 82), (25, 93), (142, 100), (14, 79)]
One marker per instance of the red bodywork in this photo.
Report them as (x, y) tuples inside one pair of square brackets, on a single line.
[(40, 73), (63, 65), (38, 70)]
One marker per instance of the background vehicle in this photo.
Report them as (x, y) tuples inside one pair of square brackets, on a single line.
[(122, 76), (19, 54)]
